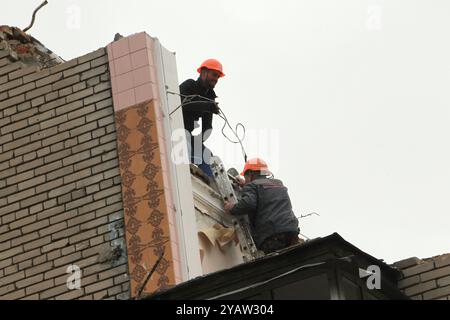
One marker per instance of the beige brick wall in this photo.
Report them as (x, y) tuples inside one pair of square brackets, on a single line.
[(427, 279), (60, 187)]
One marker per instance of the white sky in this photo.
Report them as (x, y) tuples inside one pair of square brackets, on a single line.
[(352, 97)]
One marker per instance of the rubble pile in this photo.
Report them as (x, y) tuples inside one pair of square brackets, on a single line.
[(26, 49)]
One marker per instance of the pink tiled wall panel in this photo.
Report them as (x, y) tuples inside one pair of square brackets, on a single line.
[(134, 82), (133, 74)]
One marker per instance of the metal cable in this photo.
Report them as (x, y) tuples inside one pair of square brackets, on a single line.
[(221, 114)]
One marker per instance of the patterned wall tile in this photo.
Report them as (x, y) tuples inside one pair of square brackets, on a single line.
[(146, 211)]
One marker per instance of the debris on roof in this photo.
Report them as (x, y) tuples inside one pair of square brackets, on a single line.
[(26, 49)]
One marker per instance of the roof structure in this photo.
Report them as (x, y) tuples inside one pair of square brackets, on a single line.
[(331, 262)]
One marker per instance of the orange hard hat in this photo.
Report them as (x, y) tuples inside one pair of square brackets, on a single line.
[(256, 164), (212, 64)]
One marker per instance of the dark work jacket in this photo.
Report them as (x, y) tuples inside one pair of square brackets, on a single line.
[(196, 110), (267, 203)]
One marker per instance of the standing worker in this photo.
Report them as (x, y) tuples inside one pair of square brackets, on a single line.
[(198, 99), (266, 201)]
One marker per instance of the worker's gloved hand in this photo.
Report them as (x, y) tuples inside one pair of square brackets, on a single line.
[(215, 108)]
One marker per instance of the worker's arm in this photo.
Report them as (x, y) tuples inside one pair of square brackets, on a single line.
[(188, 88), (248, 202)]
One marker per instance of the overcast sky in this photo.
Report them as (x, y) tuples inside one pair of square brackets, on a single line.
[(348, 100)]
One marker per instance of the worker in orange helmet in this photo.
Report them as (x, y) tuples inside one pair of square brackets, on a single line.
[(198, 99), (266, 202)]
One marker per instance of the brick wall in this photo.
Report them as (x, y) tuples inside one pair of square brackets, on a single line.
[(427, 279), (60, 185)]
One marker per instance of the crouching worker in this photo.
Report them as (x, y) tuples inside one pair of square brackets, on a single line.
[(266, 201)]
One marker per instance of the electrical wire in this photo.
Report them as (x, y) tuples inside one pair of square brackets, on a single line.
[(261, 283), (138, 296), (221, 114), (239, 140)]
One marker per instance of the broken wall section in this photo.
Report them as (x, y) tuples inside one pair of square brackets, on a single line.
[(218, 241), (60, 185), (23, 51)]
